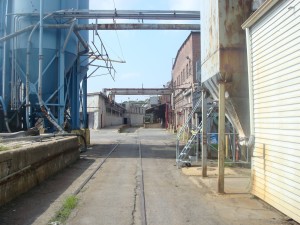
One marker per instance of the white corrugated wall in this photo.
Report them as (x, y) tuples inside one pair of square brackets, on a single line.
[(275, 52)]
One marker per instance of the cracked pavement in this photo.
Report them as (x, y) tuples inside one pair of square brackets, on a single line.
[(113, 195)]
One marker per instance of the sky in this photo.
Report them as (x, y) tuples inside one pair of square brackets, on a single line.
[(148, 54)]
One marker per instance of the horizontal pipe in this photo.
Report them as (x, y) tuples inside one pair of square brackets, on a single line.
[(17, 33), (124, 14), (130, 26)]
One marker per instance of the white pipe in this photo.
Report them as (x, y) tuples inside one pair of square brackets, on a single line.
[(250, 81)]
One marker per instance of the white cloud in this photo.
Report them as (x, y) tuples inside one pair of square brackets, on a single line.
[(184, 5)]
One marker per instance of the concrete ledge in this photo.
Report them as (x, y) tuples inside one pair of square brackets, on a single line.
[(25, 167), (152, 125)]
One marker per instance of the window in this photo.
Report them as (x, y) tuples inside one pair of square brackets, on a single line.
[(190, 67), (187, 70), (183, 74)]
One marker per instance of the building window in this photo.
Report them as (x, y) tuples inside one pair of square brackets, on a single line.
[(190, 67), (183, 74), (187, 70)]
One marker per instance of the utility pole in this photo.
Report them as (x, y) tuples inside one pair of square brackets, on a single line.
[(204, 134), (221, 137)]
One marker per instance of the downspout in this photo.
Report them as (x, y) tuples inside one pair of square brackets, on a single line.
[(41, 103), (251, 140)]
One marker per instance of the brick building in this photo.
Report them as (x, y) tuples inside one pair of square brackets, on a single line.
[(184, 78)]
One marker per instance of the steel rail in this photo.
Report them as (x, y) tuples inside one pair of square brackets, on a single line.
[(142, 189), (94, 172)]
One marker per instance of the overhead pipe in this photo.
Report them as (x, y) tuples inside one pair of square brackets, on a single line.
[(131, 26), (124, 14)]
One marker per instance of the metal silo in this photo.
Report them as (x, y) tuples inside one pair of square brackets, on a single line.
[(59, 53), (51, 45)]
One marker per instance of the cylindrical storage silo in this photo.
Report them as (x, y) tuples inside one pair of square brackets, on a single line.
[(53, 40)]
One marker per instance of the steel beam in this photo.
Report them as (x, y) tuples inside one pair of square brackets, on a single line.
[(138, 91)]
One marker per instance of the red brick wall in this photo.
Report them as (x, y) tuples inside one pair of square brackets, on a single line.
[(187, 56)]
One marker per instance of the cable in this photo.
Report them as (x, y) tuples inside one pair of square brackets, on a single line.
[(120, 45)]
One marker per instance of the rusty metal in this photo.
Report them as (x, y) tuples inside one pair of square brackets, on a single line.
[(138, 91), (224, 57)]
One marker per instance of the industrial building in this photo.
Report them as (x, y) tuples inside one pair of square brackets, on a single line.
[(252, 75), (273, 66), (184, 78), (102, 112)]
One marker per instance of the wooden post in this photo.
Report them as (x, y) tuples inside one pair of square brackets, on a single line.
[(221, 137), (227, 146), (204, 134)]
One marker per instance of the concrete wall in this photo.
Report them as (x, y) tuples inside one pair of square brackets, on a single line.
[(137, 119), (113, 120), (23, 168)]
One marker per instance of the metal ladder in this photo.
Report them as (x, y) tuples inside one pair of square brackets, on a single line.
[(188, 119), (185, 126), (183, 156)]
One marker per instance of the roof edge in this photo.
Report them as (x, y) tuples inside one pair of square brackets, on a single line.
[(264, 8)]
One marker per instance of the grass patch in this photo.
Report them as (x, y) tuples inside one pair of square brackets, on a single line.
[(63, 214), (3, 148)]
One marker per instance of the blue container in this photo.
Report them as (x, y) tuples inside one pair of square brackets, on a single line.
[(53, 40)]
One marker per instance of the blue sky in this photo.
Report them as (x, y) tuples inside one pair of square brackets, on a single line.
[(148, 54)]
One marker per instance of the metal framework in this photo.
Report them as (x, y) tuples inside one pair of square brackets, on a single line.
[(72, 84)]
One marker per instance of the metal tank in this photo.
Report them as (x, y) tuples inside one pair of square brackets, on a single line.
[(53, 41), (223, 56)]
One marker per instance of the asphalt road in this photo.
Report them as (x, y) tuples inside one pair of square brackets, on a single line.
[(138, 184)]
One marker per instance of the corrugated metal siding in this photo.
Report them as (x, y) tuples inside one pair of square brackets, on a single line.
[(275, 43)]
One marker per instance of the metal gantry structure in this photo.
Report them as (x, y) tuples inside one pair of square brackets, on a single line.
[(45, 56)]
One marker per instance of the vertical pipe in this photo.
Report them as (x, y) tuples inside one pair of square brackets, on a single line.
[(234, 144), (41, 53), (204, 134), (84, 111), (4, 56), (250, 81), (221, 137), (198, 138)]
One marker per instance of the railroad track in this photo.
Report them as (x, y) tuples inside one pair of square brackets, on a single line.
[(140, 178)]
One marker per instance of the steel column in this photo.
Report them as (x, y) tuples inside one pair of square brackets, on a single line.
[(221, 137), (204, 134)]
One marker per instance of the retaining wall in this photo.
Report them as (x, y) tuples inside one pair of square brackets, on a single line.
[(23, 168)]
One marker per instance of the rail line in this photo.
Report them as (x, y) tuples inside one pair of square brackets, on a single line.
[(95, 170), (140, 179)]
